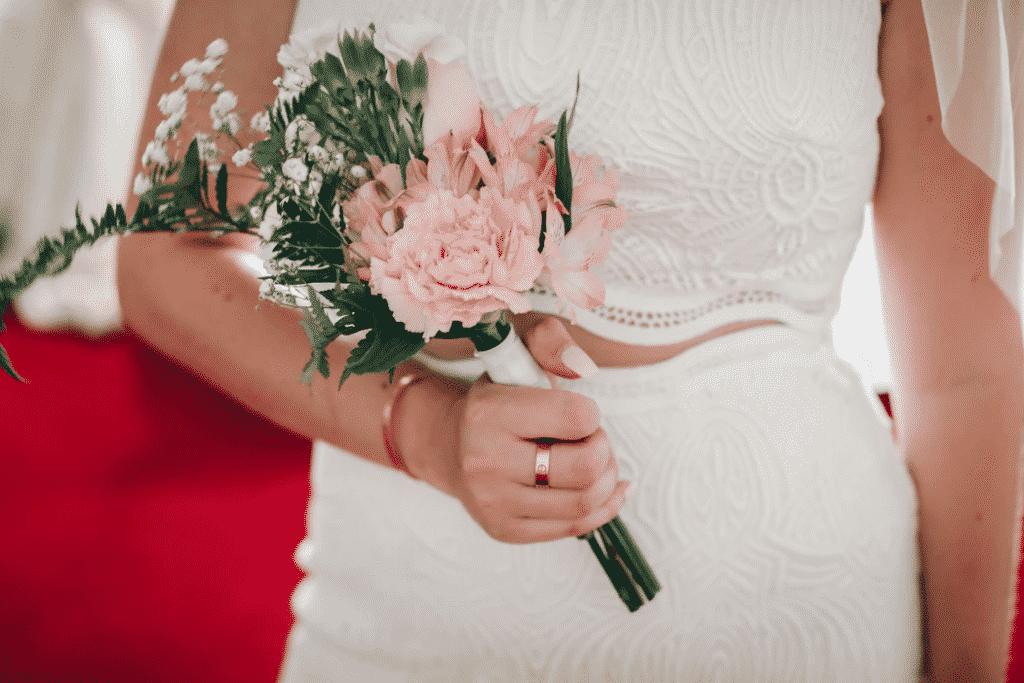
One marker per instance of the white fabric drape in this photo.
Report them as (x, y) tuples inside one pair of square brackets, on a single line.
[(73, 84), (978, 56)]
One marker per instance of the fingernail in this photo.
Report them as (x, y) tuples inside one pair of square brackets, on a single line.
[(630, 489), (577, 360)]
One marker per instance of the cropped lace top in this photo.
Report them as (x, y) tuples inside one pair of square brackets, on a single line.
[(744, 137)]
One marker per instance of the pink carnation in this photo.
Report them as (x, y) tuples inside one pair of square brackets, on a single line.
[(459, 239), (457, 259)]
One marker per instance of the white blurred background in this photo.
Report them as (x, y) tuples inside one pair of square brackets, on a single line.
[(74, 78)]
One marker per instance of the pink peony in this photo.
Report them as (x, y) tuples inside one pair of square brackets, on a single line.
[(457, 259)]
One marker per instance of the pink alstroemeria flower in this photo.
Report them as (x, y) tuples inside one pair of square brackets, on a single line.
[(568, 258), (374, 212)]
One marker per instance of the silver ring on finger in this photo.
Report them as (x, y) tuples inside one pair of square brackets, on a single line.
[(542, 464)]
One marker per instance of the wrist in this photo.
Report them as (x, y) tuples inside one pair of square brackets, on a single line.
[(424, 429)]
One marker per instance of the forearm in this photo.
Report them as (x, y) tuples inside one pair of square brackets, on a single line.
[(962, 446), (191, 298)]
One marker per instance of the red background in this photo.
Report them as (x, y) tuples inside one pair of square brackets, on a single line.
[(148, 520)]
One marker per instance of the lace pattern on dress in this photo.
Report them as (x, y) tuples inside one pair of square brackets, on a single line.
[(748, 172)]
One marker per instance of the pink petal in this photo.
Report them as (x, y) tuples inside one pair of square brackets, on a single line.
[(479, 157), (583, 288), (415, 172), (452, 103)]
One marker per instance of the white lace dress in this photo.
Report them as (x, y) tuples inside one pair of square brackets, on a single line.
[(771, 502)]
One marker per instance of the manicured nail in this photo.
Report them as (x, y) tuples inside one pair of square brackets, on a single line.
[(577, 360)]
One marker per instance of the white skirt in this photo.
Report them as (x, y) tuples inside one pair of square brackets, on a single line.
[(771, 504)]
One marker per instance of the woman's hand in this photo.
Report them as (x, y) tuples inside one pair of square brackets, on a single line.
[(554, 350), (499, 427), (493, 471), (478, 443)]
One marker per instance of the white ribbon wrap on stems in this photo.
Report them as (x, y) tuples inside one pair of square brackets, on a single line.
[(510, 363)]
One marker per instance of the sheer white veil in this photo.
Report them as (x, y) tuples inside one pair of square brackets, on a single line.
[(978, 56)]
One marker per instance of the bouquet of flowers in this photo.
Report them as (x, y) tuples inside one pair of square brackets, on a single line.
[(393, 203)]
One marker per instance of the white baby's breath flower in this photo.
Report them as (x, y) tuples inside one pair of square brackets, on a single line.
[(407, 37), (192, 66), (232, 122), (196, 82), (218, 87), (303, 129), (271, 221), (156, 152), (208, 151), (173, 102), (226, 101), (175, 119), (242, 157), (260, 122), (217, 49), (214, 166), (319, 155), (295, 81), (163, 130), (290, 133), (308, 132), (357, 172), (295, 169), (256, 213), (209, 65), (143, 183), (316, 181)]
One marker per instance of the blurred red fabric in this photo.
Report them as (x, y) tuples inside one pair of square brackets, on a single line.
[(149, 520)]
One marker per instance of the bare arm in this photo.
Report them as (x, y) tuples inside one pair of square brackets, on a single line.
[(957, 359), (192, 298)]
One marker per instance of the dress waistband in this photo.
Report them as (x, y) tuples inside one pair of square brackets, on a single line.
[(732, 347)]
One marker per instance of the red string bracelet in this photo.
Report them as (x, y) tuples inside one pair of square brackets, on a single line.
[(398, 390)]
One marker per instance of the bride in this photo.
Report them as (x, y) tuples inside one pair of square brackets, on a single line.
[(795, 536)]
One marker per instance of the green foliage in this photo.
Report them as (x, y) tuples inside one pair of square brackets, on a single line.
[(222, 190), (386, 345), (179, 204), (563, 171), (53, 255)]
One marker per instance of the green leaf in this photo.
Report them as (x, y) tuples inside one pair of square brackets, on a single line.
[(350, 55), (222, 189), (386, 346), (5, 363), (563, 171), (188, 177), (373, 59), (403, 74), (321, 333), (419, 73)]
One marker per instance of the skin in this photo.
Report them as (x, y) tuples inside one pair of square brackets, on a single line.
[(958, 400)]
